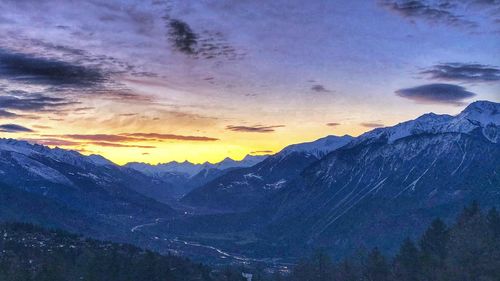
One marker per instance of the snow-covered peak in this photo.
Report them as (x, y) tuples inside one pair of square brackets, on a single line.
[(99, 160), (58, 154), (191, 169), (171, 167), (484, 115), (319, 147), (482, 112), (248, 161)]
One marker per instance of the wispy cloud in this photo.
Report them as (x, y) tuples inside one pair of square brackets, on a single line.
[(32, 69), (332, 124), (70, 143), (254, 129), (131, 137), (320, 89), (7, 114), (182, 36), (372, 124), (206, 44), (262, 152), (434, 11), (14, 128), (157, 136), (436, 93), (112, 144), (463, 72), (25, 101), (465, 14), (53, 142)]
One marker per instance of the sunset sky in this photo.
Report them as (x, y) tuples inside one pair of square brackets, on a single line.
[(156, 81)]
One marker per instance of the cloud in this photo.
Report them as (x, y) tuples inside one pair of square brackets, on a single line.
[(130, 137), (42, 127), (262, 152), (333, 124), (436, 93), (254, 129), (7, 114), (21, 100), (463, 72), (111, 144), (207, 44), (446, 12), (32, 69), (371, 124), (78, 74), (320, 89), (70, 143), (182, 37), (97, 137), (53, 142), (157, 136), (13, 128)]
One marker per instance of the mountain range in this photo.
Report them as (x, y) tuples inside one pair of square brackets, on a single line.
[(339, 193), (183, 177)]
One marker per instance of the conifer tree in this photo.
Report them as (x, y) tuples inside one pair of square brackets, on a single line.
[(407, 265), (376, 268)]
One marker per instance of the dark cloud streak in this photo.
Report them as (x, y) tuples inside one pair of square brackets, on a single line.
[(254, 129), (446, 12), (332, 124), (14, 128), (463, 72), (32, 69), (436, 93), (371, 124)]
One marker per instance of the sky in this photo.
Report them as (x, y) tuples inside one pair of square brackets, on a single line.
[(174, 80)]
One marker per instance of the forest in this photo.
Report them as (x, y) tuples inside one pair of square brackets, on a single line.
[(467, 250)]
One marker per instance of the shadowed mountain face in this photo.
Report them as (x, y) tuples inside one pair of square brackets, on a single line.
[(65, 189), (242, 189), (374, 191), (341, 193), (387, 183), (374, 194), (181, 178)]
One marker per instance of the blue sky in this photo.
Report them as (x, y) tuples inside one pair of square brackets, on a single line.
[(280, 72)]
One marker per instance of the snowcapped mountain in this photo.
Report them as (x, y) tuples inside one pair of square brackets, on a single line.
[(376, 190), (83, 184), (386, 183), (244, 188), (317, 148), (191, 169), (183, 177), (481, 115)]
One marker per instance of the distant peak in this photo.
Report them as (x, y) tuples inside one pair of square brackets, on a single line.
[(483, 107)]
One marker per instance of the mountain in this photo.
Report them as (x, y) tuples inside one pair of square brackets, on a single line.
[(182, 177), (64, 189), (244, 188), (389, 182), (337, 193), (375, 190)]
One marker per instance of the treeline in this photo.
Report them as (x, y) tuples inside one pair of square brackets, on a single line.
[(469, 250), (31, 253)]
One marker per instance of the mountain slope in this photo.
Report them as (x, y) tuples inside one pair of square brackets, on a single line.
[(374, 191), (63, 188), (244, 188), (185, 176), (387, 183)]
